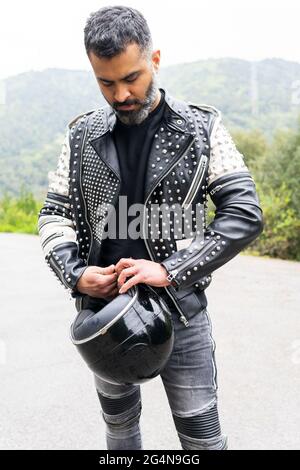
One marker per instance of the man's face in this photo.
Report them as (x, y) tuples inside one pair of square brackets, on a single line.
[(128, 82)]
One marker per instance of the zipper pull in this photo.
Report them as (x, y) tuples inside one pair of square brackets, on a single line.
[(184, 320), (216, 189), (172, 275)]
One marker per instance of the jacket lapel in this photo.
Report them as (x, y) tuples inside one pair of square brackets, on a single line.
[(170, 142), (168, 146), (104, 144), (105, 148)]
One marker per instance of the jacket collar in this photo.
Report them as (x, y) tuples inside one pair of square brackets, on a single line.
[(174, 123), (174, 113)]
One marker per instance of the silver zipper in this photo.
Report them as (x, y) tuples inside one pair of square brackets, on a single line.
[(207, 248), (41, 225), (172, 275), (80, 179), (186, 203), (220, 186), (212, 242), (51, 237), (196, 182), (54, 264), (182, 317), (81, 154), (171, 168), (56, 201)]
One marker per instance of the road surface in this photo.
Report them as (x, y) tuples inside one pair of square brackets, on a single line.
[(47, 395)]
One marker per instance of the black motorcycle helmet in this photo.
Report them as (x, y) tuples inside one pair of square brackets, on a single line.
[(129, 340)]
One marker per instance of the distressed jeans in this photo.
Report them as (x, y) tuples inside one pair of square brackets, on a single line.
[(190, 382)]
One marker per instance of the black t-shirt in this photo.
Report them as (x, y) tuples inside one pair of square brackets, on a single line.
[(133, 144)]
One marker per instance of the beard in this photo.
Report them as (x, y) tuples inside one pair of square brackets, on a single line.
[(138, 116)]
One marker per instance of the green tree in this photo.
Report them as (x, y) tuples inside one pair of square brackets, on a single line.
[(281, 235), (253, 145), (19, 214)]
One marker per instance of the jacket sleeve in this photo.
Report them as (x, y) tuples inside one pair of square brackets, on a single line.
[(55, 226), (238, 216)]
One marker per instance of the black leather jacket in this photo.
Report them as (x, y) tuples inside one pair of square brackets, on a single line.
[(182, 170)]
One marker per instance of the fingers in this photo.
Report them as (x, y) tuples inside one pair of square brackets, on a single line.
[(126, 273), (96, 270), (124, 263), (108, 270), (130, 283), (106, 279), (109, 279), (101, 290)]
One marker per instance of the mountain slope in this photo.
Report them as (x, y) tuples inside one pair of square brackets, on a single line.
[(38, 106)]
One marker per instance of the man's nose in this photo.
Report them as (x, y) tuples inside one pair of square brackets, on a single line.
[(121, 94)]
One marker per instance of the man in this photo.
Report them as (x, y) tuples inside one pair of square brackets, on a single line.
[(152, 149)]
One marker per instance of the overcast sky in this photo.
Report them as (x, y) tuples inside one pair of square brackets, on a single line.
[(35, 34)]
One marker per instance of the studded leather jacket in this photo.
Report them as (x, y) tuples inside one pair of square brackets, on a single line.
[(192, 156)]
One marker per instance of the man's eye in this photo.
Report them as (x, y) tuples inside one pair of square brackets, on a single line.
[(106, 84), (129, 80)]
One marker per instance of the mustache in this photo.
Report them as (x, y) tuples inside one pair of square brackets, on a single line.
[(126, 103)]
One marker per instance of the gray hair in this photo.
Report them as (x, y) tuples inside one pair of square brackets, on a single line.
[(110, 30)]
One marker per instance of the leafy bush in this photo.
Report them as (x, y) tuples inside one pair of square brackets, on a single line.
[(275, 167), (281, 235), (19, 214)]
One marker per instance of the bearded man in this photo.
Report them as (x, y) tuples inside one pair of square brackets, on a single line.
[(151, 149)]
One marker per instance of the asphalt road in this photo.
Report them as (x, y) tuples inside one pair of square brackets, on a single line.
[(47, 395)]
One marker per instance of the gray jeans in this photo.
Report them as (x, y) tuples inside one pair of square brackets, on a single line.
[(190, 382)]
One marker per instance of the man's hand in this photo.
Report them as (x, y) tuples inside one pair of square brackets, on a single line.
[(99, 282), (141, 271)]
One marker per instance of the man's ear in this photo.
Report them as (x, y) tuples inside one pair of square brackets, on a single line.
[(156, 59)]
